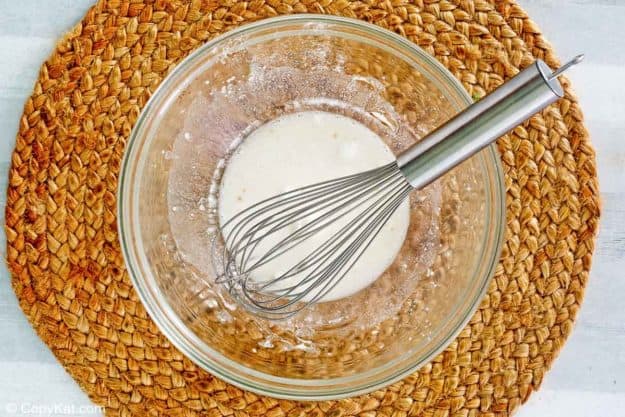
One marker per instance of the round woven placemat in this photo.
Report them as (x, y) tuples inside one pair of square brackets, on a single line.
[(69, 275)]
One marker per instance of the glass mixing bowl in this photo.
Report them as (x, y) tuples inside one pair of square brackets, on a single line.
[(169, 197)]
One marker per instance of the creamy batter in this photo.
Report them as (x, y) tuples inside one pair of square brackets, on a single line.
[(301, 149)]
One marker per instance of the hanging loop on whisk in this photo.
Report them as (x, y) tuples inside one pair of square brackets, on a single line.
[(576, 60)]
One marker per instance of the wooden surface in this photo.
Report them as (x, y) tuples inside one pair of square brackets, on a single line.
[(587, 378)]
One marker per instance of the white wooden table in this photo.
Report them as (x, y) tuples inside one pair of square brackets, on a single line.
[(588, 378)]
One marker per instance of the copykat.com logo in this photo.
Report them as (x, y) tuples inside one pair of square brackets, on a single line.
[(52, 409)]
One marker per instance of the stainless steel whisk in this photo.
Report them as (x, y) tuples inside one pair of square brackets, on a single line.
[(364, 202)]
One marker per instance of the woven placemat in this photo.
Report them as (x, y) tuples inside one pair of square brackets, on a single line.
[(68, 272)]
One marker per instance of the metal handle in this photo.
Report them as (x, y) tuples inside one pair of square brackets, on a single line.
[(512, 103)]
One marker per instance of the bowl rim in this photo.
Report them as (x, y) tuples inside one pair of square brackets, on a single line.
[(172, 326)]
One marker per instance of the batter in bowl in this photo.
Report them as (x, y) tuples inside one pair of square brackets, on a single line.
[(300, 149)]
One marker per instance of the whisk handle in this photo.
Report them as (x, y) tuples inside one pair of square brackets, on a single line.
[(480, 124)]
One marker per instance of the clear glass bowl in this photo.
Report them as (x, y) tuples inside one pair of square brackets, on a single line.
[(169, 193)]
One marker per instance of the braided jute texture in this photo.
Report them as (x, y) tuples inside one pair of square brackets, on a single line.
[(69, 275)]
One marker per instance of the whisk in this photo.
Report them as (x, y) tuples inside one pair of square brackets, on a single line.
[(361, 203)]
